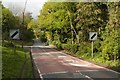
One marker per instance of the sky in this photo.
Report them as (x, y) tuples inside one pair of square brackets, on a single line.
[(33, 6)]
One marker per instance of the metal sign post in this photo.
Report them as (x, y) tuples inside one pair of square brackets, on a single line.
[(92, 49), (92, 37), (14, 51), (14, 34)]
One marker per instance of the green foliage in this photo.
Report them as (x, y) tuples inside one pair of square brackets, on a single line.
[(66, 47), (54, 19), (12, 63), (67, 25), (84, 48), (33, 25), (43, 38), (73, 48), (8, 21), (58, 44), (110, 47), (88, 18), (97, 46), (7, 44), (28, 35)]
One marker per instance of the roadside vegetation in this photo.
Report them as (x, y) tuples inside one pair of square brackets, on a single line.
[(18, 64), (12, 63), (67, 26)]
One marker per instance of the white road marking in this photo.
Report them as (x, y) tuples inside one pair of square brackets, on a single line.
[(73, 64), (55, 52), (87, 76), (102, 67), (40, 53), (111, 70), (86, 70), (39, 71), (86, 62), (61, 56), (47, 52), (55, 72)]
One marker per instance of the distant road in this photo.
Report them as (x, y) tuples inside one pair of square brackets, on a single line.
[(37, 42), (53, 64)]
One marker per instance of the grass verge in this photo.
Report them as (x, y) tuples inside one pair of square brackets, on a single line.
[(12, 62)]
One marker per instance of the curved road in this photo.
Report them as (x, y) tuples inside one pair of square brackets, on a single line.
[(53, 64)]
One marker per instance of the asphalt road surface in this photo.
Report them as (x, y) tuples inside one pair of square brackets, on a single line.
[(53, 64)]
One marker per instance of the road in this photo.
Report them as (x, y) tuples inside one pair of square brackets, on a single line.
[(53, 64)]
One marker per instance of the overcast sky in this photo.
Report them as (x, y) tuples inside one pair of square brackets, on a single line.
[(33, 6)]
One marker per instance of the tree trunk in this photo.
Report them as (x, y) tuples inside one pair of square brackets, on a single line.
[(72, 28)]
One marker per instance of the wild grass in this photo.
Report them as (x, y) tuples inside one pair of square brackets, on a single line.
[(12, 62)]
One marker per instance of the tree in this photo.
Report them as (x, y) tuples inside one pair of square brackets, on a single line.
[(8, 21), (27, 34), (66, 22), (88, 18), (54, 18), (1, 6), (111, 37), (33, 24)]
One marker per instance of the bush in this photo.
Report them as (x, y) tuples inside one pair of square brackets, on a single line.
[(7, 44), (74, 48), (97, 46), (77, 48), (59, 45), (84, 48), (66, 46), (70, 47), (43, 38)]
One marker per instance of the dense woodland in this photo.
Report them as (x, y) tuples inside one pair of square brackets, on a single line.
[(67, 25)]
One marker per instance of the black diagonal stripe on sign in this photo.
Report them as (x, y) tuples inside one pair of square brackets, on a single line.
[(93, 36), (14, 34)]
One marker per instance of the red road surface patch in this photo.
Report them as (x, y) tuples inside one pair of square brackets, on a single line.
[(59, 62), (50, 61)]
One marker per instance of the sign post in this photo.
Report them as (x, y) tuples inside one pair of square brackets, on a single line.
[(92, 49), (92, 37), (14, 34)]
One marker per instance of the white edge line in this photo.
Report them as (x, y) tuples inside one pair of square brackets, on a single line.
[(87, 76), (37, 68), (39, 71), (111, 70), (103, 67), (94, 64), (97, 65)]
